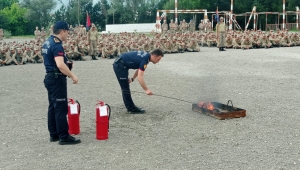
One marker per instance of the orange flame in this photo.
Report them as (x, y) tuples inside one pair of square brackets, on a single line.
[(207, 106)]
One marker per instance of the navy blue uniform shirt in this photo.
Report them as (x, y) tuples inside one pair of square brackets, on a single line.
[(52, 48), (136, 60)]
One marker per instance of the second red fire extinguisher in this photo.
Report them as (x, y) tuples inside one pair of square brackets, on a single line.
[(103, 112)]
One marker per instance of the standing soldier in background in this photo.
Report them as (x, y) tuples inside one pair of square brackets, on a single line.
[(37, 33), (201, 26), (165, 27), (93, 39), (221, 34), (1, 34), (192, 26), (172, 27), (43, 34), (176, 27), (184, 26)]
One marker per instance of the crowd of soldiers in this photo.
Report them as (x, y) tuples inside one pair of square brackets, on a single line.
[(183, 27), (89, 45), (253, 39)]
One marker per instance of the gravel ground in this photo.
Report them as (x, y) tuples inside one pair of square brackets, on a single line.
[(170, 135)]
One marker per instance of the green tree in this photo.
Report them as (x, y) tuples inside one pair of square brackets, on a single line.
[(38, 12), (7, 3), (14, 17)]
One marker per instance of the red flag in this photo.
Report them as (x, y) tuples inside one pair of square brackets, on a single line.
[(88, 20)]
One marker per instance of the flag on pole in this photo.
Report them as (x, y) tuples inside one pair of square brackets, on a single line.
[(88, 21), (217, 16)]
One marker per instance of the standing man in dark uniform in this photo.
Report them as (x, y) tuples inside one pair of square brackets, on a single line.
[(55, 81), (134, 60)]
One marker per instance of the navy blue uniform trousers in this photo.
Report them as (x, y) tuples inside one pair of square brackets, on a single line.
[(58, 105), (121, 72)]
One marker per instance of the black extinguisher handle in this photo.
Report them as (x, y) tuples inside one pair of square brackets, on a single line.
[(109, 111), (79, 106)]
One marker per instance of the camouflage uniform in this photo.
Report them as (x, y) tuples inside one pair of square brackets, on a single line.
[(93, 39), (193, 46), (165, 27), (192, 26)]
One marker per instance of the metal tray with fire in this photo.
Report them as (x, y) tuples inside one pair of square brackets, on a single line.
[(219, 110)]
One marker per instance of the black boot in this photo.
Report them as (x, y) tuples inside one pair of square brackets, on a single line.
[(223, 49), (94, 58), (220, 49)]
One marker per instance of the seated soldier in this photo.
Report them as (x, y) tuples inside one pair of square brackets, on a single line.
[(18, 57), (256, 42), (285, 41), (237, 42), (2, 56), (122, 48), (110, 51), (180, 45), (7, 56), (295, 39), (27, 53), (193, 46), (265, 43), (229, 42), (147, 47), (174, 46), (100, 48), (140, 46), (204, 40), (246, 44), (74, 54), (168, 47), (274, 40), (36, 56), (211, 41)]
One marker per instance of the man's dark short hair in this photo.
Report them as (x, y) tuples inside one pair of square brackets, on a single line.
[(157, 52)]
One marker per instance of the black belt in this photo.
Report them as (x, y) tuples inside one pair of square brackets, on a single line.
[(52, 72)]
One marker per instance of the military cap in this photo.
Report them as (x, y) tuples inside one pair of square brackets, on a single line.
[(61, 25)]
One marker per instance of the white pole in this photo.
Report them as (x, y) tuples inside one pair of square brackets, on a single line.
[(231, 13), (176, 8)]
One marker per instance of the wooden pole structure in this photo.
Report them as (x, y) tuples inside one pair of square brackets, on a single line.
[(231, 13), (297, 18), (253, 12), (176, 8), (283, 15)]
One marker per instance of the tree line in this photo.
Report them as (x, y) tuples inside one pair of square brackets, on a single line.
[(22, 16)]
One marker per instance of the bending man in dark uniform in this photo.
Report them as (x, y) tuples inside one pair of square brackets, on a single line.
[(55, 81), (134, 60)]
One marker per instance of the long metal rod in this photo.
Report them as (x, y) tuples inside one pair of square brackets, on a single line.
[(168, 97)]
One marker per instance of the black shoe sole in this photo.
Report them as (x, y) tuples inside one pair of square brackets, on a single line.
[(54, 139), (69, 143), (135, 112)]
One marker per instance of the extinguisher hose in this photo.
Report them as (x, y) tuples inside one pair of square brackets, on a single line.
[(79, 106), (109, 112)]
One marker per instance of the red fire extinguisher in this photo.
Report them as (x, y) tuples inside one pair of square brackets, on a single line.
[(73, 116), (102, 120)]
